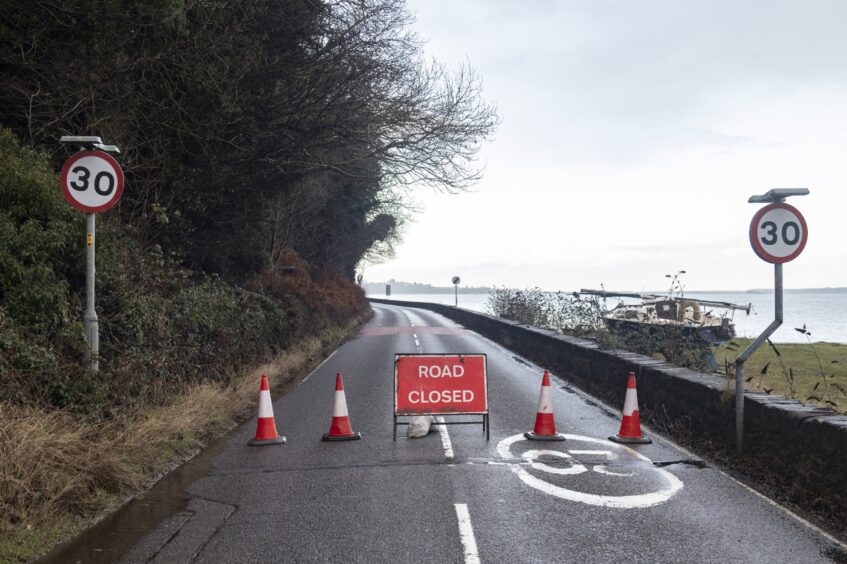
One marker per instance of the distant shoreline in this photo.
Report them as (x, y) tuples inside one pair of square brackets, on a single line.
[(414, 288)]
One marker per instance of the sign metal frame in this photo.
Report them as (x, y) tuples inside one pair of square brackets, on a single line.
[(486, 413)]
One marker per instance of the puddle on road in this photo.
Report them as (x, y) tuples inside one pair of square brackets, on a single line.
[(116, 534), (113, 537)]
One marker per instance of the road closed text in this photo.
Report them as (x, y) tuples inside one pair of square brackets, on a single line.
[(441, 396), (456, 371), (440, 384)]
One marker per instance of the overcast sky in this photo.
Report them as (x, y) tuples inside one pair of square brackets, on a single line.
[(632, 134)]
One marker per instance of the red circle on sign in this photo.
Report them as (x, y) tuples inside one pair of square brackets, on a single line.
[(111, 162), (760, 250)]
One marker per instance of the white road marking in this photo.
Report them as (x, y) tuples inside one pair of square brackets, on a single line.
[(318, 367), (442, 429), (762, 496), (414, 335), (601, 469), (608, 454), (445, 439), (573, 468), (672, 483), (466, 533), (532, 368)]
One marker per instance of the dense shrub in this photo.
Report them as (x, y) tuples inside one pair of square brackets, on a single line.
[(525, 306), (38, 233), (162, 325), (575, 316)]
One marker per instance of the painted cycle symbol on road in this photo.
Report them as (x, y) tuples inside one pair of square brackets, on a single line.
[(603, 466)]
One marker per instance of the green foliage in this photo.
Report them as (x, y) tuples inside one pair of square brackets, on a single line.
[(814, 372), (257, 139), (162, 325), (38, 233), (247, 129)]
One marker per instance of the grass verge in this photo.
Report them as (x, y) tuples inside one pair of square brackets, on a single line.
[(814, 373), (61, 472)]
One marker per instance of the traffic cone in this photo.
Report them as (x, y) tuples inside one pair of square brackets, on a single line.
[(266, 427), (630, 425), (545, 425), (340, 429)]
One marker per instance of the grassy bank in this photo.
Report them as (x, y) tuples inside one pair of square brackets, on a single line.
[(812, 372), (62, 471)]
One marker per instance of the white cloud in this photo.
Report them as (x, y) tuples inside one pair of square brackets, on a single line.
[(632, 135)]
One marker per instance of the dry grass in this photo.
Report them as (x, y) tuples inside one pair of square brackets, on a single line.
[(58, 471)]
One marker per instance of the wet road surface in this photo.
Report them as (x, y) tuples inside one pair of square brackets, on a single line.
[(451, 496)]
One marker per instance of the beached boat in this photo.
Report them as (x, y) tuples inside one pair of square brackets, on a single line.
[(656, 314)]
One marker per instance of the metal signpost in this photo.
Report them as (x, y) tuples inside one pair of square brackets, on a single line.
[(456, 281), (778, 234), (92, 181)]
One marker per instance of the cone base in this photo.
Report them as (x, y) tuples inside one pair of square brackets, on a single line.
[(534, 437), (352, 437), (262, 442), (630, 440)]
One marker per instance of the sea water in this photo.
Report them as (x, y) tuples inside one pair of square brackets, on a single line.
[(823, 314)]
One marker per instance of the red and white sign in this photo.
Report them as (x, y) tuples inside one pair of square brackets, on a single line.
[(778, 233), (440, 384), (92, 181)]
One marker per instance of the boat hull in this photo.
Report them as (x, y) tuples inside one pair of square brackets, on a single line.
[(704, 334)]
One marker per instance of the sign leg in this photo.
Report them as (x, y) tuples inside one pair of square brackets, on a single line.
[(89, 318)]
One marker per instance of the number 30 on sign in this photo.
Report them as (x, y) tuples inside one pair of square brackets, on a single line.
[(778, 233), (92, 181)]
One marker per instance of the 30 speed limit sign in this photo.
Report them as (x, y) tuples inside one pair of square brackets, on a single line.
[(778, 233), (92, 181)]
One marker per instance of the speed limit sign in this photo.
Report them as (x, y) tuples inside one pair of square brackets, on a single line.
[(778, 233), (92, 181)]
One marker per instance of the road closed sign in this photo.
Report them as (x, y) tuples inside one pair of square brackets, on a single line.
[(440, 384)]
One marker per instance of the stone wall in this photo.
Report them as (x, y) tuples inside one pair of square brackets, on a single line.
[(800, 450)]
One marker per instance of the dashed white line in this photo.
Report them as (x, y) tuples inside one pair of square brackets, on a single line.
[(445, 438), (466, 533)]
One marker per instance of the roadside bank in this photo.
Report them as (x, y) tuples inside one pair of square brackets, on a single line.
[(62, 472)]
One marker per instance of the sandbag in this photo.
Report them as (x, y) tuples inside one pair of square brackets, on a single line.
[(420, 426)]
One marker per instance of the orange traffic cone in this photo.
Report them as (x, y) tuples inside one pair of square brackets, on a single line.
[(630, 425), (266, 427), (340, 429), (545, 425)]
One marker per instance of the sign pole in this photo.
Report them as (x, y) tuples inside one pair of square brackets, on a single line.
[(92, 181), (778, 234), (748, 352), (89, 318)]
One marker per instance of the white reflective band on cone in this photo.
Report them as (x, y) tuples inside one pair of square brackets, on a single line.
[(544, 405), (265, 407), (630, 403), (339, 409)]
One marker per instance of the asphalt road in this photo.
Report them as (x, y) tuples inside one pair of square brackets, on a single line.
[(455, 497)]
